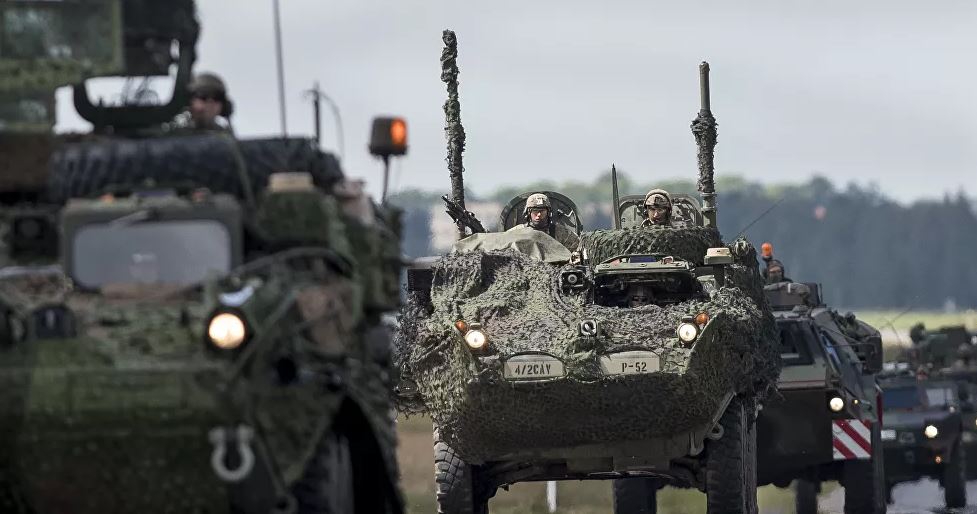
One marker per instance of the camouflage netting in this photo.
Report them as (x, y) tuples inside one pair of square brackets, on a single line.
[(686, 243), (519, 303)]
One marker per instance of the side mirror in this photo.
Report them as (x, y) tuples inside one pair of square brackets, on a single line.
[(388, 137)]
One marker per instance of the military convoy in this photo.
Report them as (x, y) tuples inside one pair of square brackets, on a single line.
[(826, 423), (189, 322), (534, 364)]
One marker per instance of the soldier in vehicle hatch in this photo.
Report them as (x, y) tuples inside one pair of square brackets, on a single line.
[(658, 208), (210, 108), (775, 272), (538, 214)]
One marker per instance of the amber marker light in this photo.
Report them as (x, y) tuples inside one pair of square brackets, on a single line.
[(398, 132), (461, 326), (702, 318), (766, 249)]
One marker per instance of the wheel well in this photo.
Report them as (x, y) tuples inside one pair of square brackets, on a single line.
[(371, 474)]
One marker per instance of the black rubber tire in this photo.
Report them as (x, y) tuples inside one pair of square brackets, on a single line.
[(327, 485), (455, 482), (212, 160), (636, 495), (806, 496), (955, 478), (864, 480), (731, 463)]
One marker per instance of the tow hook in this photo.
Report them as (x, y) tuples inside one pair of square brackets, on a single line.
[(220, 437)]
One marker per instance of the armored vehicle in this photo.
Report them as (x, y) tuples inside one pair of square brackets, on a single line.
[(922, 433), (188, 322), (825, 425), (949, 352), (535, 364)]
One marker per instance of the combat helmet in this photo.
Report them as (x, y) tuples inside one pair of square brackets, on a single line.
[(536, 200), (658, 197), (210, 85)]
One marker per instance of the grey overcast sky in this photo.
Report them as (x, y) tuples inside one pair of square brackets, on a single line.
[(870, 91)]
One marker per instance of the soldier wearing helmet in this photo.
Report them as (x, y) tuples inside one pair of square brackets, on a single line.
[(538, 214), (658, 208), (208, 104), (774, 273)]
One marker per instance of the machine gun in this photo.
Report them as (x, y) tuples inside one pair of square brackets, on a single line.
[(461, 217)]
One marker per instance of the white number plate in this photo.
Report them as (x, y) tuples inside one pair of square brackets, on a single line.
[(522, 367), (630, 363), (888, 435)]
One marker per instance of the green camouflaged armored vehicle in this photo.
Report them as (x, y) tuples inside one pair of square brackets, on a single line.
[(536, 364), (825, 424), (189, 323), (922, 432)]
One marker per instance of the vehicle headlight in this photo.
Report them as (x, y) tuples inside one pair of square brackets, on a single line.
[(836, 404), (930, 431), (226, 331), (476, 339), (687, 332)]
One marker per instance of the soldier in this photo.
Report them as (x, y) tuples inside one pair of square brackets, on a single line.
[(208, 100), (658, 208), (775, 272), (538, 214)]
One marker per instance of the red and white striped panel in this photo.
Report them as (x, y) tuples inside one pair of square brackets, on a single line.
[(851, 438)]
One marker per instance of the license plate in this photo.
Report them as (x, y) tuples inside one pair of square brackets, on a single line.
[(523, 367), (969, 437), (630, 363), (888, 435)]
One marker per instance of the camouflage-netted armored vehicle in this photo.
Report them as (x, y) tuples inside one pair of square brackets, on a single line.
[(825, 424), (535, 364), (188, 322)]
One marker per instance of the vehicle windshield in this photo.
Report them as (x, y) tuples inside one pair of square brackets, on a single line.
[(795, 343), (902, 398), (165, 252), (648, 288), (939, 396)]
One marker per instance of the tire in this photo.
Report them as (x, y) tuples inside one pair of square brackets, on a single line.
[(955, 478), (731, 463), (864, 480), (636, 495), (327, 485), (806, 496), (458, 491)]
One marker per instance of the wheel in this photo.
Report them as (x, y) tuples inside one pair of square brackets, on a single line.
[(806, 496), (864, 480), (636, 495), (731, 463), (326, 486), (458, 490), (955, 478)]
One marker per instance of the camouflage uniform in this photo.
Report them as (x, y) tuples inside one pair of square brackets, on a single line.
[(661, 199), (558, 231)]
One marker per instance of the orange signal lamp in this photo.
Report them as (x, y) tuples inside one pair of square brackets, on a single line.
[(702, 318), (766, 249), (461, 326), (398, 132)]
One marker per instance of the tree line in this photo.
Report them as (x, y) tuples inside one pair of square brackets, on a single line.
[(866, 250)]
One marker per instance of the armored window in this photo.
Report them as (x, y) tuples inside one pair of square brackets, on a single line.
[(902, 398), (939, 396), (795, 343), (163, 252)]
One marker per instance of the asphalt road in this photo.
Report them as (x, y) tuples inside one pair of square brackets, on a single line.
[(921, 497)]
